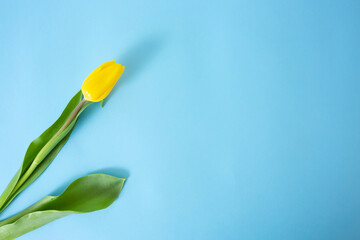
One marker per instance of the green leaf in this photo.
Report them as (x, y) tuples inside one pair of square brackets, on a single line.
[(35, 146), (87, 194)]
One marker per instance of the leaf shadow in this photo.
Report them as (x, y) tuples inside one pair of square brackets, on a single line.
[(113, 171)]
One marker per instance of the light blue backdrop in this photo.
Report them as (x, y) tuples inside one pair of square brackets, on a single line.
[(233, 119)]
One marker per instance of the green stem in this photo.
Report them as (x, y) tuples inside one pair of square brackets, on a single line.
[(48, 147)]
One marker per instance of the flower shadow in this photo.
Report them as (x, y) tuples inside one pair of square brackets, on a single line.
[(136, 60)]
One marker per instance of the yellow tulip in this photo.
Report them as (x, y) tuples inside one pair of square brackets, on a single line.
[(95, 88), (99, 83)]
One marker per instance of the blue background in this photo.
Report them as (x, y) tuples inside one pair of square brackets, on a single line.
[(233, 119)]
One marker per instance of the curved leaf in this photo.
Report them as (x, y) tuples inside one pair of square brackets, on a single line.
[(35, 146), (87, 194)]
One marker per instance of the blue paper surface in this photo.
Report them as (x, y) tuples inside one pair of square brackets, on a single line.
[(233, 119)]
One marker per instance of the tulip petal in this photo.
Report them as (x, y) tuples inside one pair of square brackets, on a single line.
[(101, 81)]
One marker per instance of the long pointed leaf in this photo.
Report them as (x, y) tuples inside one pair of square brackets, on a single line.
[(87, 194), (34, 148)]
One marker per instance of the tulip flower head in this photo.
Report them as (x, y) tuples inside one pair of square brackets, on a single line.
[(101, 81)]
